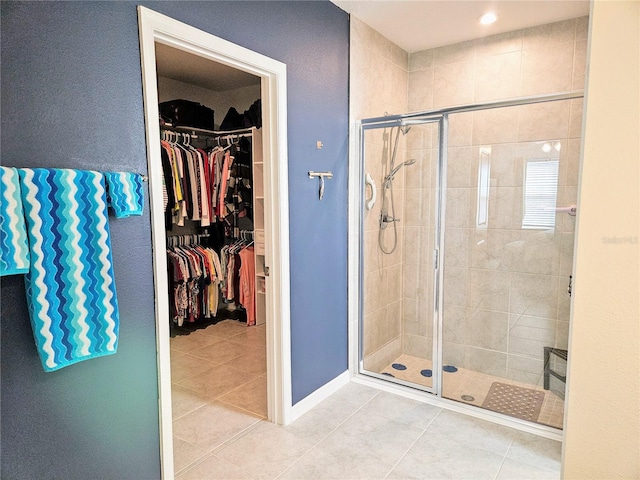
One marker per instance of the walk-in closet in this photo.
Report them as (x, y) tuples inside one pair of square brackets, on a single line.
[(213, 189)]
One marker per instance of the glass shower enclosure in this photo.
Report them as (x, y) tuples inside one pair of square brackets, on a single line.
[(466, 256)]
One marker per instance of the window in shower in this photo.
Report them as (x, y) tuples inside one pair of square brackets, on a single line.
[(484, 178), (540, 194)]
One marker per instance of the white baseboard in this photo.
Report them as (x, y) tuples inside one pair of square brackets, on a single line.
[(324, 392)]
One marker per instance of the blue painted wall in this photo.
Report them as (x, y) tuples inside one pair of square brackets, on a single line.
[(72, 97)]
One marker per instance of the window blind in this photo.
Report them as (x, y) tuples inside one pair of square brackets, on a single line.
[(540, 194)]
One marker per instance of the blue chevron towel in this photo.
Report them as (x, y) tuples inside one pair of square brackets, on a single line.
[(124, 193), (70, 286), (14, 251)]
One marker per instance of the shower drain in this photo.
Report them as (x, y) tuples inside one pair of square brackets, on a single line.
[(467, 398)]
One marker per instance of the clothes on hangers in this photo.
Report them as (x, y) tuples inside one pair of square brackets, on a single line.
[(195, 274), (207, 185), (238, 272)]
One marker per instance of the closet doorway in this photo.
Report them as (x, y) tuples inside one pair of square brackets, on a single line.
[(161, 35)]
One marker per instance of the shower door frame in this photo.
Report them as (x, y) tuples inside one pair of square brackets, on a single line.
[(441, 116), (391, 122)]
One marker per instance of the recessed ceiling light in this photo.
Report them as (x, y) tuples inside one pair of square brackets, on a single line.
[(488, 18)]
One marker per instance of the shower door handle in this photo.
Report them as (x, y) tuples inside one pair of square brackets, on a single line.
[(374, 193)]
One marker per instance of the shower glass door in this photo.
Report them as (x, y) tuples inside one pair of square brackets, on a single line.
[(397, 259), (508, 252)]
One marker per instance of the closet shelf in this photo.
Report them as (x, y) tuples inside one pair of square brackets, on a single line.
[(187, 129)]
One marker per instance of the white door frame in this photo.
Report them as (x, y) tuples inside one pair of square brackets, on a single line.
[(155, 27)]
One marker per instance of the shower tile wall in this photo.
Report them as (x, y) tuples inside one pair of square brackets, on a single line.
[(379, 85), (505, 287)]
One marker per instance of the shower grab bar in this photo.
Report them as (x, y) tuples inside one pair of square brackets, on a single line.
[(368, 180), (571, 210)]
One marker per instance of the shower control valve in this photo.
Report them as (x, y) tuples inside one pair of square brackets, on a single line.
[(386, 219)]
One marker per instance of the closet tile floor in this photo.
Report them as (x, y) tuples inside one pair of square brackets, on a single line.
[(220, 431)]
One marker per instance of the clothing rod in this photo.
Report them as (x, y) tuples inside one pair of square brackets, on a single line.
[(218, 133)]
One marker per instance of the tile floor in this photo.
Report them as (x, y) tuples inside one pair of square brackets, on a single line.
[(475, 384), (219, 401)]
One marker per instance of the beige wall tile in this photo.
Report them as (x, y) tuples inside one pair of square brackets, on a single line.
[(421, 90), (427, 244), (487, 329), (582, 28), (453, 84), (497, 77), (537, 328), (562, 335), (456, 247), (527, 346), (546, 70), (371, 327), (453, 353), (360, 31), (374, 285), (372, 253), (544, 121), (500, 43), (460, 129), (421, 325), (489, 249), (417, 346), (524, 377), (542, 251), (454, 324), (421, 60), (575, 125), (568, 196), (409, 312), (526, 364), (566, 255), (455, 286), (564, 301), (459, 163), (413, 208), (485, 361), (534, 295), (499, 125), (394, 258), (505, 207), (393, 292), (392, 327), (550, 35), (457, 212), (488, 290), (579, 64), (383, 356), (410, 277), (412, 239), (502, 165), (459, 52), (573, 162)]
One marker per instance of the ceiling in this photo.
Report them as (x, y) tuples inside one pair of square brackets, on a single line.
[(186, 67), (412, 25), (423, 24)]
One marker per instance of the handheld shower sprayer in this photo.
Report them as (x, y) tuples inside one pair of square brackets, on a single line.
[(389, 178), (388, 215)]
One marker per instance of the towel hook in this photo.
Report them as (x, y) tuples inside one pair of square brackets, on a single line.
[(321, 176)]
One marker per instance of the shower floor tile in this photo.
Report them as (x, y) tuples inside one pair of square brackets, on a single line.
[(468, 386)]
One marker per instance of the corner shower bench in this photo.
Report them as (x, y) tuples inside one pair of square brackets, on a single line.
[(548, 351)]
